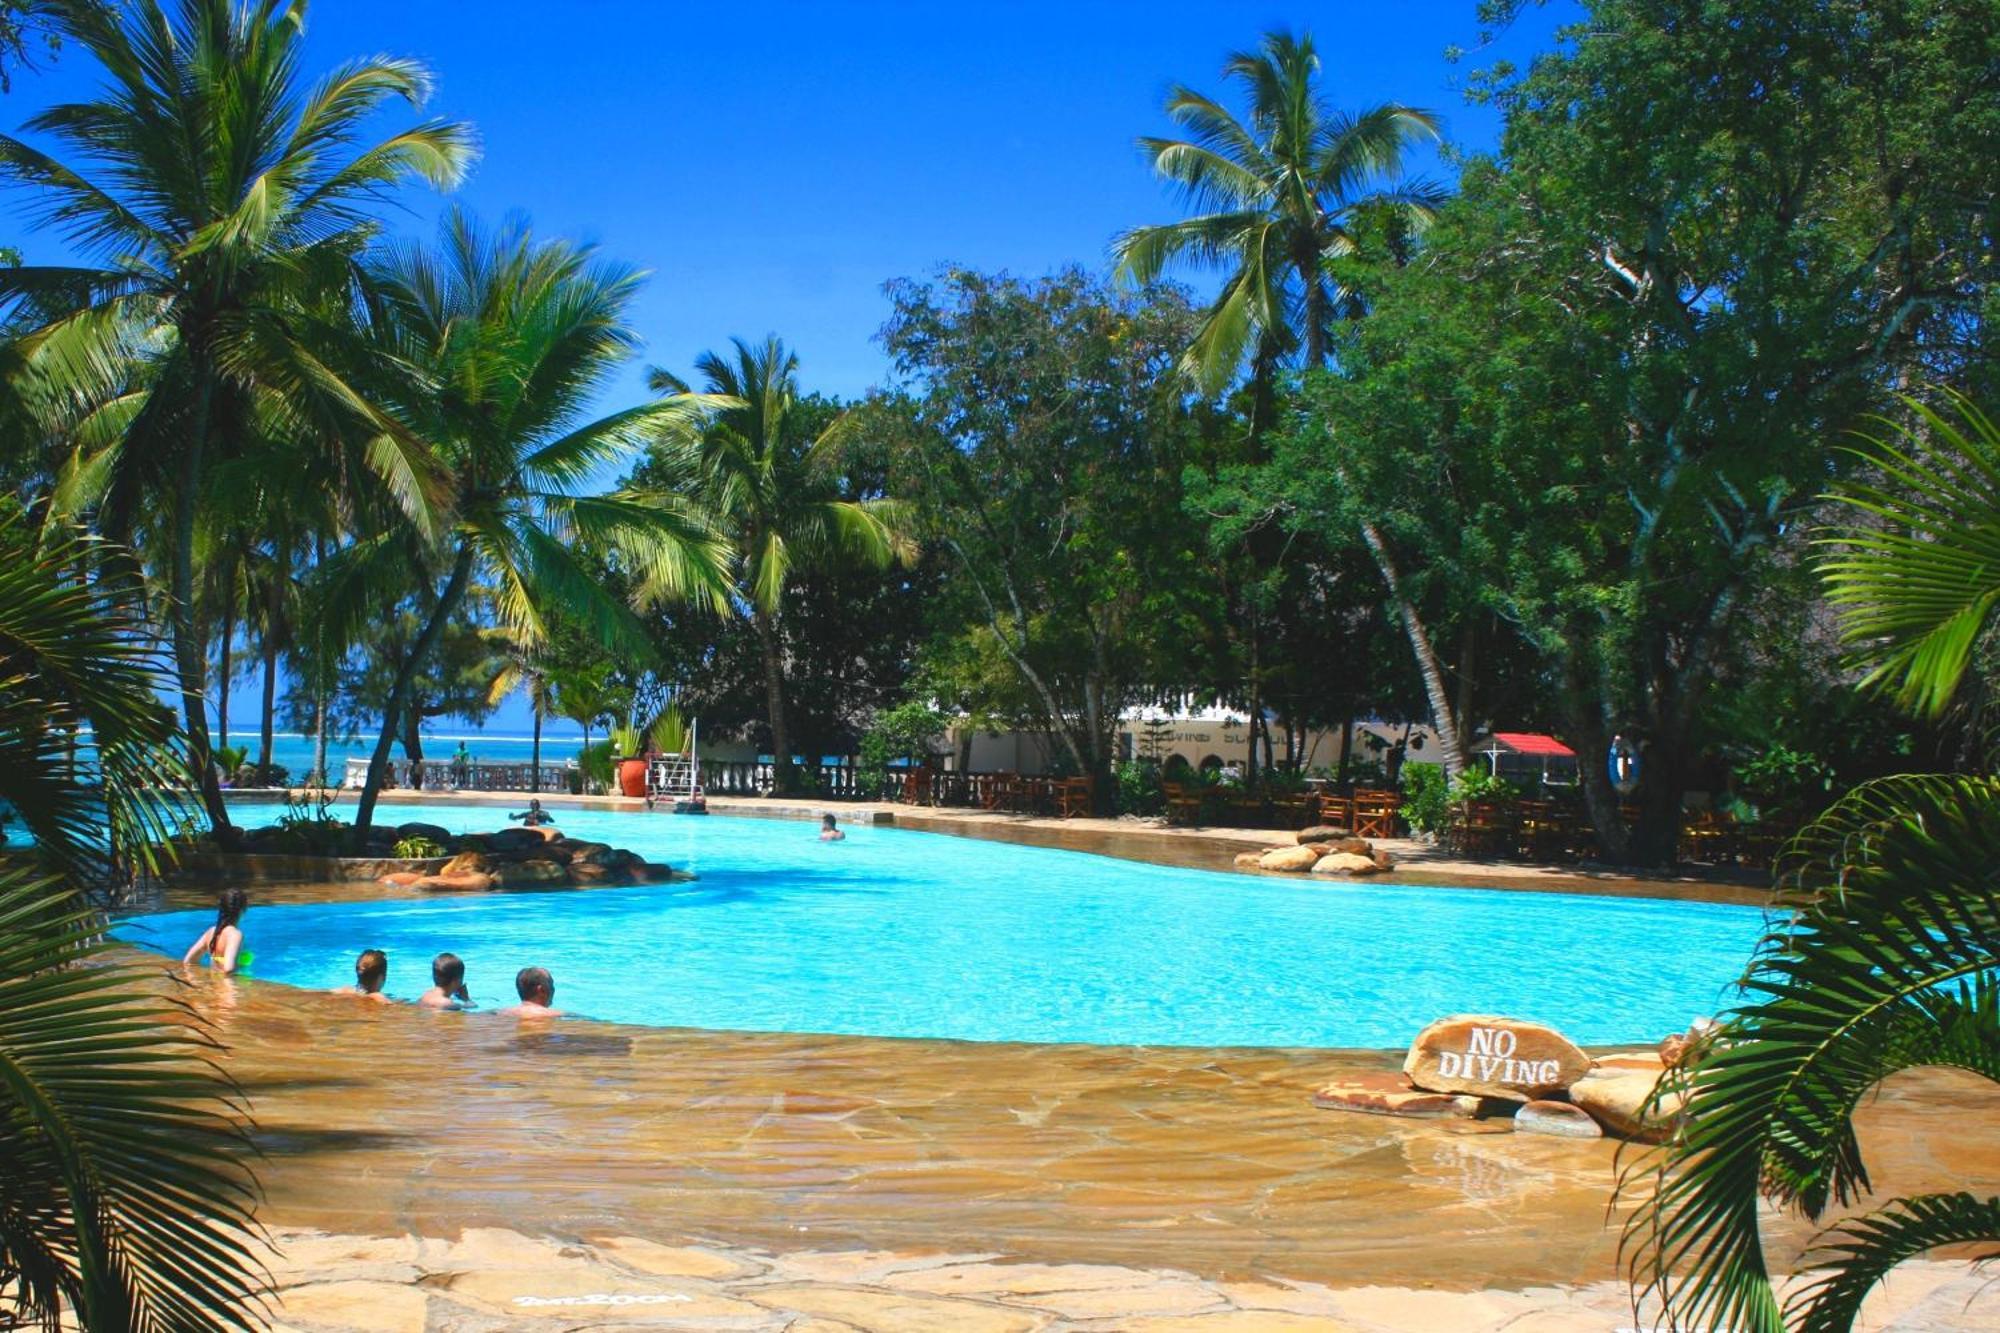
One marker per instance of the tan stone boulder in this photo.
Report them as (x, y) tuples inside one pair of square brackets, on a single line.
[(465, 882), (528, 874), (1622, 1102), (1391, 1094), (1629, 1062), (1494, 1057), (1383, 861), (1249, 860), (1288, 858), (1354, 846), (467, 863), (1557, 1119), (1346, 863), (1323, 833), (589, 853), (402, 879)]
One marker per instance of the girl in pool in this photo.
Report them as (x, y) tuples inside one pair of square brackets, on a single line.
[(223, 941)]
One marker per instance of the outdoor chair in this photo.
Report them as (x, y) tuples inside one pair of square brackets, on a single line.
[(1183, 806), (1375, 813), (1073, 796)]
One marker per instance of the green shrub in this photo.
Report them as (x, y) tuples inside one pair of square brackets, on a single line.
[(1426, 806), (593, 761), (1476, 784), (418, 848), (1139, 790), (1784, 780), (310, 829)]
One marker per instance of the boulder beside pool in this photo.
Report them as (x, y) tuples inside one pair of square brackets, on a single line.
[(1489, 1056), (1372, 1093), (1623, 1102), (1557, 1119)]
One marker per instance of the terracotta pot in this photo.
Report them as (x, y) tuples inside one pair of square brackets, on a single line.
[(632, 777)]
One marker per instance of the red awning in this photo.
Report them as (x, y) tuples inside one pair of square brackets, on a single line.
[(1528, 742)]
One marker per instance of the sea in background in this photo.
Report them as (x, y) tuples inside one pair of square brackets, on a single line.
[(294, 751)]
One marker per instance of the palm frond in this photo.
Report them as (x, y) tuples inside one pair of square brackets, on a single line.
[(1888, 961), (1861, 1252), (126, 1200), (1917, 576)]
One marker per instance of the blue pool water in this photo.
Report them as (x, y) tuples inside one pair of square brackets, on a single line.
[(898, 933)]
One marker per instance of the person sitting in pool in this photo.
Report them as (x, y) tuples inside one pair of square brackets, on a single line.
[(829, 829), (533, 817), (447, 984), (223, 941), (537, 990), (371, 973)]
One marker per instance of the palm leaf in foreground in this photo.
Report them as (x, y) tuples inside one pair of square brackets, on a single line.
[(1917, 581), (123, 1194), (1889, 960)]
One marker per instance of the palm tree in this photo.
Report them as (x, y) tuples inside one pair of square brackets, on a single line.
[(224, 200), (525, 667), (769, 474), (125, 1202), (1277, 198), (1891, 959), (510, 339)]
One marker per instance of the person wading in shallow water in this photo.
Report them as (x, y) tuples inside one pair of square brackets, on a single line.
[(223, 941), (371, 973), (447, 984), (537, 990), (829, 829), (533, 817)]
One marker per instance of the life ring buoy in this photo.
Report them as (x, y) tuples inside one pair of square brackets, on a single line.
[(1622, 766)]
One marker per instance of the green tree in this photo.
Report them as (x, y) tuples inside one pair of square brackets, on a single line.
[(510, 338), (124, 1201), (1698, 222), (1039, 436), (223, 199), (1282, 195), (766, 465)]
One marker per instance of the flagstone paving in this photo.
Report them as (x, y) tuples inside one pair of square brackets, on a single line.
[(490, 1279)]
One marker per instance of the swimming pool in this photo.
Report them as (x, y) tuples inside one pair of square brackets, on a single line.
[(900, 933)]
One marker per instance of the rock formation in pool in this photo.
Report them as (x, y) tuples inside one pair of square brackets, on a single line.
[(527, 858)]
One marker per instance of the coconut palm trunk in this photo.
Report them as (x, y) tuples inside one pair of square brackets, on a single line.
[(190, 650), (399, 691), (774, 700)]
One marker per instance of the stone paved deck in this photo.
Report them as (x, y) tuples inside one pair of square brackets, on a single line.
[(488, 1279)]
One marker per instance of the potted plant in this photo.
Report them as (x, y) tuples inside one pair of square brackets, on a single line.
[(625, 744)]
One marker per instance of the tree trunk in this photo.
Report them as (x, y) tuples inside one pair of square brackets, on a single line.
[(399, 691), (1443, 717), (271, 675), (535, 751), (1256, 709), (774, 701), (190, 651), (319, 774), (1468, 652), (1346, 750), (228, 638)]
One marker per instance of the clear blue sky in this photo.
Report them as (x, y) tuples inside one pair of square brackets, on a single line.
[(773, 165)]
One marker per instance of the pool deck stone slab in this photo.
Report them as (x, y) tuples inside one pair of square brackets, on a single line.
[(490, 1280)]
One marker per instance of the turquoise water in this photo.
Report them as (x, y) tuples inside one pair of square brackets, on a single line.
[(295, 752), (898, 933)]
